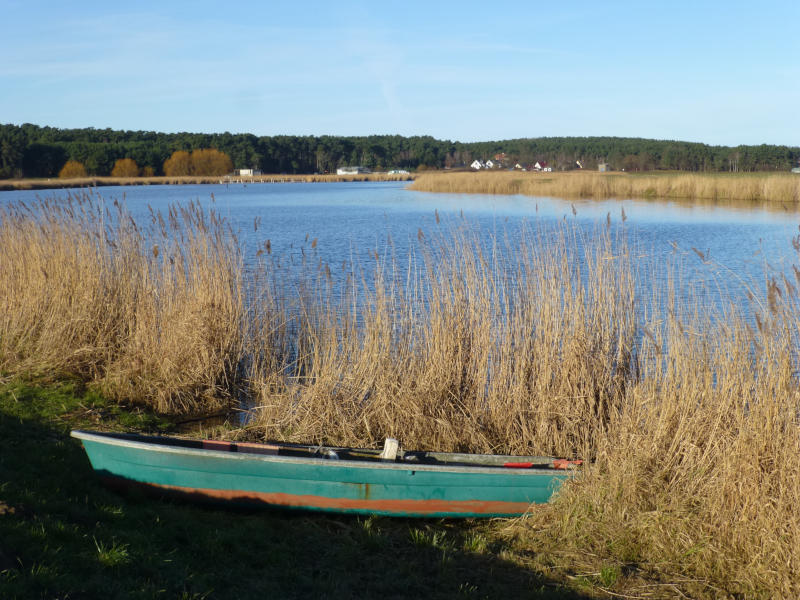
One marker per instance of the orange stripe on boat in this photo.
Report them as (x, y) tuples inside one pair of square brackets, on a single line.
[(397, 507)]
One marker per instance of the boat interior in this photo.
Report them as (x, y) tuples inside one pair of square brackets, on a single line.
[(391, 452)]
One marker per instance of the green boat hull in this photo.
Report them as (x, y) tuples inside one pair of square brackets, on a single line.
[(315, 483)]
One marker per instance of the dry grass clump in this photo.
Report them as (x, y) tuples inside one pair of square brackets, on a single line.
[(750, 187), (698, 477), (470, 347), (153, 315)]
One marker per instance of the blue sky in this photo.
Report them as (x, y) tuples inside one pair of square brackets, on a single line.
[(713, 72)]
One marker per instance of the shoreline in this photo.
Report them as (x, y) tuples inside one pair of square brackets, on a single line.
[(7, 185), (756, 188)]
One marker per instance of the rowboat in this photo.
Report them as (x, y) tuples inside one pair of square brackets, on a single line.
[(384, 481)]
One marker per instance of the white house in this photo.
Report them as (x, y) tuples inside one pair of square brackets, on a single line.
[(477, 165), (489, 164), (352, 170), (248, 172)]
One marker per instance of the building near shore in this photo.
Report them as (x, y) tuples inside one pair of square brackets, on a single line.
[(248, 172), (352, 170)]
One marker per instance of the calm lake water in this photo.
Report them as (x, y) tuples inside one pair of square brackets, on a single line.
[(350, 221)]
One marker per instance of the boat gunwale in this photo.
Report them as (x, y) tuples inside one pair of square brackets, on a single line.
[(110, 438)]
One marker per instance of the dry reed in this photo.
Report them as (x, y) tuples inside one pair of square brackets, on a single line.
[(689, 418), (152, 316), (698, 478), (750, 187), (470, 348)]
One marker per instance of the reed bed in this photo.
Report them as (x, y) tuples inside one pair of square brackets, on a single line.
[(152, 313), (697, 481), (467, 348), (688, 415), (749, 187)]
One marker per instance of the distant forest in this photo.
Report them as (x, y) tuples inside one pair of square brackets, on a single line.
[(34, 151)]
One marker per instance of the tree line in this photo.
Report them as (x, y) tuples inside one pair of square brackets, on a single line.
[(34, 151), (204, 161)]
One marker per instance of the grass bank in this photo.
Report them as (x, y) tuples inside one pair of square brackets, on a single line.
[(63, 535), (85, 182), (744, 187), (686, 413)]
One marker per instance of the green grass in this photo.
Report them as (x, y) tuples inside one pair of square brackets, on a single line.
[(64, 535)]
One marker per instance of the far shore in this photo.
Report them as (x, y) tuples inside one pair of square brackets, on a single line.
[(780, 189), (755, 188), (55, 182)]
